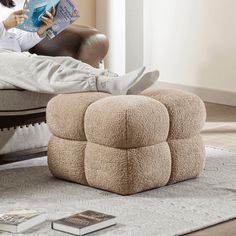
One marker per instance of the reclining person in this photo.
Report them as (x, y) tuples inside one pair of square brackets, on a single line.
[(55, 74)]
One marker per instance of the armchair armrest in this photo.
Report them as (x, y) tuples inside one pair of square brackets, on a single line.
[(82, 43)]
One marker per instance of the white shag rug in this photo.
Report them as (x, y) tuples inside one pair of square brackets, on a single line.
[(171, 210)]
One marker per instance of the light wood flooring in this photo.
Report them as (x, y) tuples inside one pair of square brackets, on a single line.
[(220, 131)]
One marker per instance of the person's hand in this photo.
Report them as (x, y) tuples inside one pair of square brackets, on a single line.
[(15, 19), (48, 22)]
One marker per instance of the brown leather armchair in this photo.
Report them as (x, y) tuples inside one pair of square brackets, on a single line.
[(82, 43), (23, 130)]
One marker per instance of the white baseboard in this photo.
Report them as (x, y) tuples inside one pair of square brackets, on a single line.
[(206, 94)]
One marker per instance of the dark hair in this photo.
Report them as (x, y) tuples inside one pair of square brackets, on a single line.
[(8, 3)]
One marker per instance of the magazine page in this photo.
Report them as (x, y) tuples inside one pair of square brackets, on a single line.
[(35, 10), (66, 14)]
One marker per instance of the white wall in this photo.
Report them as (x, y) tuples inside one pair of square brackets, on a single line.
[(192, 42), (111, 21), (134, 34), (122, 22), (87, 10)]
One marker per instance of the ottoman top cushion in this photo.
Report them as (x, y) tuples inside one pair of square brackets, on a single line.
[(65, 114), (127, 122)]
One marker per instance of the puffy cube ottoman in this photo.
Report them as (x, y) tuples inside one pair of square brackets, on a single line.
[(126, 144)]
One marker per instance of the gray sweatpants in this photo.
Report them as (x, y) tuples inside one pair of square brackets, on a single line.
[(47, 74)]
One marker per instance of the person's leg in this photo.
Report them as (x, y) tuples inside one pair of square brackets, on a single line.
[(68, 62), (44, 74), (71, 69), (115, 87)]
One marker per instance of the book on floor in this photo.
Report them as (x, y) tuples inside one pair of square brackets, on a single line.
[(66, 13), (84, 223), (18, 221)]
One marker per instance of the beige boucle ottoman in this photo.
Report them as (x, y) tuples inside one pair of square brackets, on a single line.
[(126, 144)]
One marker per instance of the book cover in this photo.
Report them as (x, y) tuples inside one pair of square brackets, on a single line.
[(66, 14), (19, 220), (17, 217), (35, 10), (85, 222)]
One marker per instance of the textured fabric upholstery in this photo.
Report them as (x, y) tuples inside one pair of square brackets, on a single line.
[(126, 144)]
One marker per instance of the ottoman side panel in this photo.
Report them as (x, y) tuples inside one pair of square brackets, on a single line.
[(127, 171), (66, 159), (106, 168), (187, 111), (65, 114), (149, 167), (187, 117), (188, 158), (127, 122)]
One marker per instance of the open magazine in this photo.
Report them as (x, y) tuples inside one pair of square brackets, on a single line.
[(66, 14)]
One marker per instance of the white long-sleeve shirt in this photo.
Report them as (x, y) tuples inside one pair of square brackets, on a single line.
[(15, 39)]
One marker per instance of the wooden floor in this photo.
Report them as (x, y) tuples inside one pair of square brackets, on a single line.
[(220, 131)]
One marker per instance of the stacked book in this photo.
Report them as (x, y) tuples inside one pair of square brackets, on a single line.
[(79, 224)]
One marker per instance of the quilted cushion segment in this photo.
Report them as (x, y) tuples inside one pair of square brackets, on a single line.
[(66, 159), (127, 122), (188, 158), (65, 114), (187, 111), (127, 171)]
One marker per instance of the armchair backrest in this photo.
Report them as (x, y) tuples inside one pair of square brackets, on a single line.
[(82, 43)]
